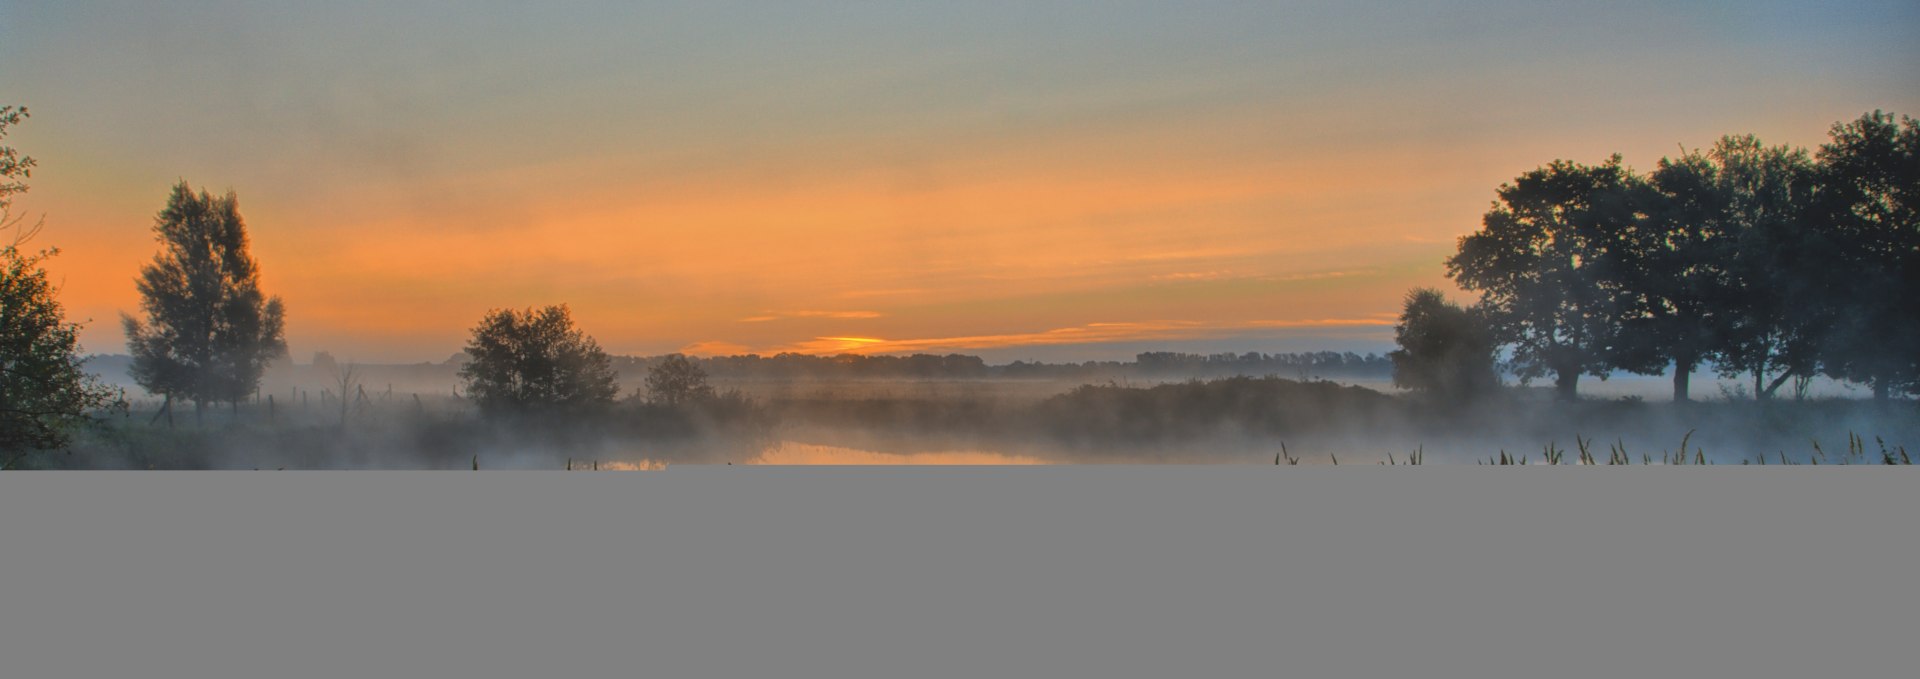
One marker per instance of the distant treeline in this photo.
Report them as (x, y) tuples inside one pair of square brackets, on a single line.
[(957, 366), (1163, 364), (1166, 364), (1156, 364), (789, 366)]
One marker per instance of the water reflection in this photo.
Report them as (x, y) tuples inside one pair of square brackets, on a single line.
[(797, 453), (642, 465)]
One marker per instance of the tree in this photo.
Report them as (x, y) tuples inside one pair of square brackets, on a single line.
[(675, 381), (1444, 349), (209, 332), (1675, 307), (1548, 264), (536, 360), (347, 379), (44, 393), (1772, 313), (1869, 210), (14, 168), (1715, 272)]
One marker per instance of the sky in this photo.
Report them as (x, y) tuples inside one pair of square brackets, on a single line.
[(1019, 180)]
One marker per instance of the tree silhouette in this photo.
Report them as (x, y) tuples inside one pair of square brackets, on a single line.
[(209, 331), (1869, 211), (1716, 271), (676, 381), (535, 360), (1549, 266), (1678, 287), (1775, 311), (14, 168), (1444, 349), (44, 393)]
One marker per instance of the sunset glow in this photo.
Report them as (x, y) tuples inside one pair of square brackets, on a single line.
[(1083, 177)]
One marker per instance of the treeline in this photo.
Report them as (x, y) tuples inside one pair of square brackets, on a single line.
[(790, 366), (797, 367), (1762, 261), (1312, 364)]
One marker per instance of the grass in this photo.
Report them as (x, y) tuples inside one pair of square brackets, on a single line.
[(1856, 453)]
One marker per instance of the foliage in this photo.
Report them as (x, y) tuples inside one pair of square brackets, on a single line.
[(1777, 306), (1444, 349), (1759, 260), (44, 393), (1712, 274), (209, 332), (1549, 268), (675, 381), (1676, 303), (1869, 211), (535, 360), (14, 168)]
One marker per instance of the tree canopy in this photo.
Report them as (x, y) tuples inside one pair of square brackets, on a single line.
[(208, 332), (1444, 349), (1547, 264), (676, 381), (1760, 260), (44, 393), (1869, 213), (536, 360)]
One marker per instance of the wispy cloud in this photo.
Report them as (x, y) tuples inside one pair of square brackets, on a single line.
[(1319, 275), (1322, 323), (896, 292), (716, 348), (1185, 255), (837, 315), (1191, 276), (1090, 333)]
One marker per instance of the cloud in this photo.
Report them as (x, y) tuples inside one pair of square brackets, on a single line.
[(1091, 333), (836, 315), (1184, 255), (862, 294), (1320, 275), (1191, 276), (1323, 323), (716, 348)]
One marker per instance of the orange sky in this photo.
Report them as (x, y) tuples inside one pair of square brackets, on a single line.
[(947, 183)]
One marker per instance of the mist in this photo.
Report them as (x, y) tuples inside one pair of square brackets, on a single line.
[(1161, 408)]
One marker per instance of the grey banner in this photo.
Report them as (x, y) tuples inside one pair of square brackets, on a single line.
[(947, 572)]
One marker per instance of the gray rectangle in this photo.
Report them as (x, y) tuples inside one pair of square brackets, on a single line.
[(962, 572)]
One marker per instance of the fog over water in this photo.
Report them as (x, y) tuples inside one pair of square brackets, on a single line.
[(409, 417)]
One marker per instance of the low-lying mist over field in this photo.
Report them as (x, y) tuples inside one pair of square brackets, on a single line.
[(1339, 409)]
